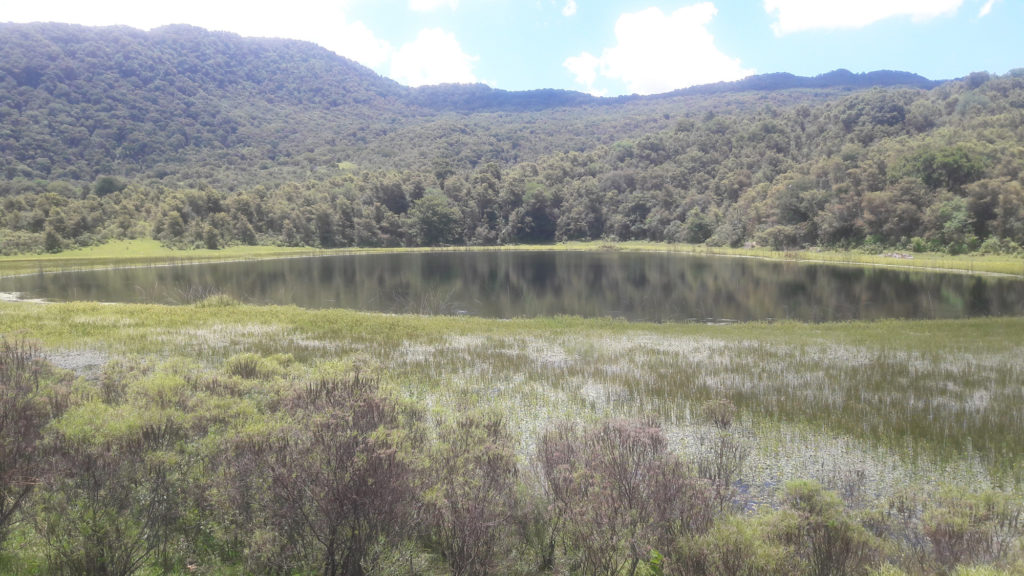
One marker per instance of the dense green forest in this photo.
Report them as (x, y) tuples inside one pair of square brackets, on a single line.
[(204, 139)]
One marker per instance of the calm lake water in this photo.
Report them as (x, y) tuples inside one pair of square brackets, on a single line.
[(635, 286)]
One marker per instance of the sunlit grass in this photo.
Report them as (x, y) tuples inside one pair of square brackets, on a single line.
[(889, 402), (969, 263), (136, 253), (148, 252)]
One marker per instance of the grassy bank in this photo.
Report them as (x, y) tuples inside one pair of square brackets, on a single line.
[(969, 263), (135, 253), (149, 252)]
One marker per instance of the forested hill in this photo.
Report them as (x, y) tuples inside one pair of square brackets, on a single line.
[(205, 138), (78, 101)]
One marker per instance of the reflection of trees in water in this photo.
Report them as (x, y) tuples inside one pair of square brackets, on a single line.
[(658, 287), (432, 303)]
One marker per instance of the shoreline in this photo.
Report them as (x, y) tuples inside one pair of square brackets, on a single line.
[(927, 263)]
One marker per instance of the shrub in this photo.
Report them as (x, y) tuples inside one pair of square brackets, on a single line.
[(114, 501), (471, 496), (339, 481), (966, 528), (740, 546), (720, 413), (995, 245), (619, 494), (898, 523), (28, 402), (829, 541), (251, 366), (722, 454), (21, 242)]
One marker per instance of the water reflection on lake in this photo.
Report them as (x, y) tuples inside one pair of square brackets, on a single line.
[(636, 286)]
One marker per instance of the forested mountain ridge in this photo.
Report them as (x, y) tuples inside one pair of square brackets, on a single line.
[(206, 138), (479, 97), (81, 101)]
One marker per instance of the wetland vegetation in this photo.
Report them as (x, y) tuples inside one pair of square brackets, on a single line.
[(903, 438)]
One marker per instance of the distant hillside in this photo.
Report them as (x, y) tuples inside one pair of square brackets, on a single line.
[(76, 102), (836, 79), (482, 98), (203, 138)]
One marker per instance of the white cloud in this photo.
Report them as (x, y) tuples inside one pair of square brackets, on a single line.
[(569, 9), (799, 15), (431, 5), (656, 52), (434, 57), (320, 21), (584, 68), (987, 8), (356, 41)]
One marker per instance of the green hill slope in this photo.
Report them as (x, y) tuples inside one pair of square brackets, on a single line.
[(205, 138)]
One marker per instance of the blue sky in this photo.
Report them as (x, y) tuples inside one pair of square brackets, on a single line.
[(602, 47)]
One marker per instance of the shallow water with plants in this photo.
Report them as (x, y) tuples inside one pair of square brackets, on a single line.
[(659, 287), (930, 393), (900, 433), (870, 410)]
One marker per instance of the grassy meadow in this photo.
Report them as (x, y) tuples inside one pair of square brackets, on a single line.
[(870, 410)]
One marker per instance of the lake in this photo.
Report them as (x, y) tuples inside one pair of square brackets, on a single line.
[(659, 287)]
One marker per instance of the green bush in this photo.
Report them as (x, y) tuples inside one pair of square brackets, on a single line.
[(966, 528), (29, 401), (741, 546), (994, 245), (617, 493), (829, 541), (470, 498), (252, 366)]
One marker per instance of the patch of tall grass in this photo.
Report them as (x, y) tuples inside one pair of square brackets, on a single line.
[(906, 399)]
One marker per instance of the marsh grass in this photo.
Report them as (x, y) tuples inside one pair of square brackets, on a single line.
[(145, 252), (970, 263), (861, 407)]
